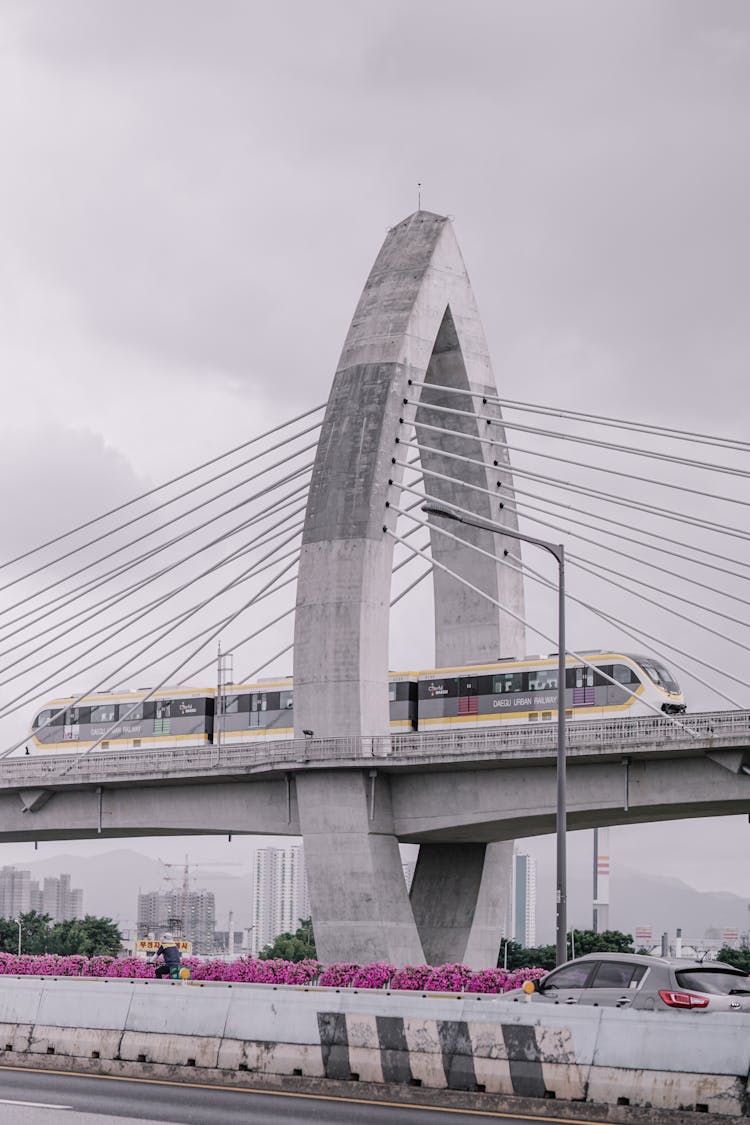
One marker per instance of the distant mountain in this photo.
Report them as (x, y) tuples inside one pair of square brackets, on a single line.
[(111, 882), (639, 898)]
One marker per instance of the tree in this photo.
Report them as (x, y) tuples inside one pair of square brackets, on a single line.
[(90, 936), (298, 946), (545, 956), (521, 957), (35, 931), (740, 958), (608, 941)]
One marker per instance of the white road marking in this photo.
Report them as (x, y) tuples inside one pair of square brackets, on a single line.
[(36, 1105)]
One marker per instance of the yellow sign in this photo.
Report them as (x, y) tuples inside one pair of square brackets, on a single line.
[(150, 945)]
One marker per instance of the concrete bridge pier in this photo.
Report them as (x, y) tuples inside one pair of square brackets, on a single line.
[(415, 344), (360, 904), (461, 901)]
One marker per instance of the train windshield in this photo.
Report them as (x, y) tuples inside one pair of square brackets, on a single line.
[(659, 674)]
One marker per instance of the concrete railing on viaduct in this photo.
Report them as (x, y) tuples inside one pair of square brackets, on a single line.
[(723, 734)]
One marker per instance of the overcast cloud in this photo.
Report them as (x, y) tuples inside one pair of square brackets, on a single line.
[(193, 194)]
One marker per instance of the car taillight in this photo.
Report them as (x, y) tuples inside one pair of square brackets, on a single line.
[(683, 999)]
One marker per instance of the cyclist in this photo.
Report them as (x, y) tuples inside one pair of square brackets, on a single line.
[(171, 954)]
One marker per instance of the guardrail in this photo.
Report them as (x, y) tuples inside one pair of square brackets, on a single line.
[(495, 742)]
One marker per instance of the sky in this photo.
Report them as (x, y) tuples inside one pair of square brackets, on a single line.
[(193, 194)]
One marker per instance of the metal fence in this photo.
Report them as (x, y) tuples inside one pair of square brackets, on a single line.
[(695, 731)]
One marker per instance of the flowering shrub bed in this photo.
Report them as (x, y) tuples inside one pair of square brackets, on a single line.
[(417, 978)]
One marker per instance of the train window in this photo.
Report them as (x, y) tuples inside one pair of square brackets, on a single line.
[(391, 693), (104, 713), (164, 708), (48, 717), (623, 675), (543, 679), (74, 716), (231, 704), (131, 712), (286, 700), (603, 670), (507, 682), (259, 702), (659, 674)]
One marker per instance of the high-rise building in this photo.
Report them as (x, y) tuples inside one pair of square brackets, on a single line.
[(191, 916), (279, 893), (19, 893), (524, 900), (15, 892), (59, 900)]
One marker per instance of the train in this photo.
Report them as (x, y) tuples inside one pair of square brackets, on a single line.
[(439, 699)]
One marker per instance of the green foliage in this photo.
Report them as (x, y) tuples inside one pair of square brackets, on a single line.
[(90, 936), (609, 941), (35, 929), (521, 957), (298, 946), (740, 958), (545, 956)]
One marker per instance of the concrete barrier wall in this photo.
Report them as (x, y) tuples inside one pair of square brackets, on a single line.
[(475, 1043)]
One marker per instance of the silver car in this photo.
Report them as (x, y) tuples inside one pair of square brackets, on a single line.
[(630, 980)]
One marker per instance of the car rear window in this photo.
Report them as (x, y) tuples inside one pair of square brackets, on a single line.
[(720, 982)]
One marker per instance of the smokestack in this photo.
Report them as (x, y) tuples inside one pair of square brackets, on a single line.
[(665, 945), (601, 880), (678, 943)]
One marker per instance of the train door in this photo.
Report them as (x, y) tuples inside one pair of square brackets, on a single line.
[(468, 696), (258, 708), (584, 692)]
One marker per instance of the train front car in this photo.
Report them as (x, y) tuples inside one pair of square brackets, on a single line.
[(525, 691), (660, 687), (125, 721)]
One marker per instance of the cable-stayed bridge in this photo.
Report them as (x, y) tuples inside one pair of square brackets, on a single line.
[(328, 504)]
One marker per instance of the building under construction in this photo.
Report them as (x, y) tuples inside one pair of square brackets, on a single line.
[(190, 915)]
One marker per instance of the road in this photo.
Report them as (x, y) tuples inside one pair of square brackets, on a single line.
[(41, 1097)]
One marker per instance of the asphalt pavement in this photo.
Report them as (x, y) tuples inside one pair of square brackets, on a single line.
[(30, 1097)]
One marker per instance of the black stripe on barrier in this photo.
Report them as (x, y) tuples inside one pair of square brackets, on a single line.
[(525, 1062), (458, 1054), (394, 1050), (334, 1045)]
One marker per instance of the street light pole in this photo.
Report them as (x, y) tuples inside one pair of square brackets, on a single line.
[(558, 552), (18, 923)]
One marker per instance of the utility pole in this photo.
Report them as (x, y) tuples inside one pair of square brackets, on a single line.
[(224, 676)]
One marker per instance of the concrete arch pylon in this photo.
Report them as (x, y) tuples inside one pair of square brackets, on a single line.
[(417, 321)]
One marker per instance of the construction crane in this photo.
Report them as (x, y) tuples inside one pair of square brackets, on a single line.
[(186, 868)]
